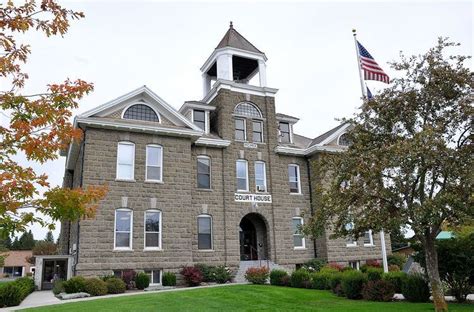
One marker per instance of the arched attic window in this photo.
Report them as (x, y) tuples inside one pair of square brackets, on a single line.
[(247, 109), (344, 140), (141, 112)]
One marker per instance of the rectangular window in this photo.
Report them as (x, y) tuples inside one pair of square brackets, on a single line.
[(298, 238), (240, 129), (152, 229), (294, 178), (125, 160), (260, 176), (350, 241), (354, 264), (13, 271), (154, 163), (155, 276), (203, 172), (199, 117), (242, 175), (123, 229), (204, 232), (257, 131), (284, 128), (368, 238)]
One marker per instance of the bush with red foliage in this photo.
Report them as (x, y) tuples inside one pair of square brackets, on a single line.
[(128, 276), (373, 263), (335, 265), (379, 290), (192, 276), (257, 275)]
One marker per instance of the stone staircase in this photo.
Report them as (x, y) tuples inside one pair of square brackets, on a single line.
[(244, 265)]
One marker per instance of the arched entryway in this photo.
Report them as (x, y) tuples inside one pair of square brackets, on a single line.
[(253, 238)]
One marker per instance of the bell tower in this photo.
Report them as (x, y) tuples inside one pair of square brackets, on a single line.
[(234, 59)]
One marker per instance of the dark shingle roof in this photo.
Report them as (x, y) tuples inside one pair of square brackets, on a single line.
[(233, 39), (325, 135)]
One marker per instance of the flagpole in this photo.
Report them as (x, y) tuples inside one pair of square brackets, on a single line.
[(364, 95)]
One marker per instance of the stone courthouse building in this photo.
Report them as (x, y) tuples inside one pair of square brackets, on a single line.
[(224, 180)]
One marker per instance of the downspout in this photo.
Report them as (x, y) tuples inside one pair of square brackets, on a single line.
[(308, 164), (83, 147), (223, 206)]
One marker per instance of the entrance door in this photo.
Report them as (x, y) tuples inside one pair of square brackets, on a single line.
[(248, 241), (53, 270)]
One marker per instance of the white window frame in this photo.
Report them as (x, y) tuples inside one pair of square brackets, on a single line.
[(261, 132), (140, 103), (245, 129), (151, 276), (145, 247), (212, 234), (357, 264), (299, 179), (290, 132), (264, 176), (206, 123), (353, 242), (371, 238), (303, 240), (210, 172), (246, 175), (131, 230), (118, 164), (160, 166)]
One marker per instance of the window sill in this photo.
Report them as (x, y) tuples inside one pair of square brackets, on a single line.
[(152, 249), (242, 191), (206, 250), (204, 190), (125, 180), (122, 249), (154, 181), (299, 248), (351, 245), (369, 245), (296, 193)]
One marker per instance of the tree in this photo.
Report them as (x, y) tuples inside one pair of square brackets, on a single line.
[(49, 237), (38, 125), (410, 162), (26, 241), (43, 248)]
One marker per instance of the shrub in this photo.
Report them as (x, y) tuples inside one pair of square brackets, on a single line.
[(10, 295), (13, 293), (58, 287), (95, 287), (115, 285), (393, 268), (142, 281), (168, 279), (415, 288), (396, 279), (106, 277), (74, 285), (257, 275), (352, 284), (276, 277), (320, 280), (300, 279), (128, 276), (335, 265), (373, 263), (334, 282), (286, 281), (396, 259), (207, 271), (192, 276), (378, 290), (374, 274), (328, 269), (222, 274), (314, 265)]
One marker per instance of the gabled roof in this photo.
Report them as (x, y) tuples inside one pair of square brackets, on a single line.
[(233, 39), (334, 132)]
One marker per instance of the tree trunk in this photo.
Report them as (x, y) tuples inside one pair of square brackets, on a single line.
[(431, 257)]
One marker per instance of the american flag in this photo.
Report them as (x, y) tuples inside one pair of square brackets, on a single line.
[(372, 70)]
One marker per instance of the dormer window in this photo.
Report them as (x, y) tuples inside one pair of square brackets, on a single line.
[(199, 119), (285, 136), (141, 112)]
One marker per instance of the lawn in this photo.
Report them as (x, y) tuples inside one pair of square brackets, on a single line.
[(242, 298)]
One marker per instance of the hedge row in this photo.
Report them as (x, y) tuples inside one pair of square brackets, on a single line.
[(372, 285), (13, 293)]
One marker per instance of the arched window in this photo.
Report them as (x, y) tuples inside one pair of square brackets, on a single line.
[(247, 109), (141, 112), (344, 140)]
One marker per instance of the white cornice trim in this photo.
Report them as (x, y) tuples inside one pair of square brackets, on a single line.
[(107, 124), (150, 93), (290, 151), (238, 87), (291, 120), (284, 150), (212, 142), (234, 51), (335, 134), (187, 106)]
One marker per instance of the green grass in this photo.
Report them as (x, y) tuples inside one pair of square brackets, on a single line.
[(242, 298)]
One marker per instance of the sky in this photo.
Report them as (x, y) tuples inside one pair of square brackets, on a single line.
[(120, 46)]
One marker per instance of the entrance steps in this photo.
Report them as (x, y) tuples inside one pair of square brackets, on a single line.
[(244, 265)]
